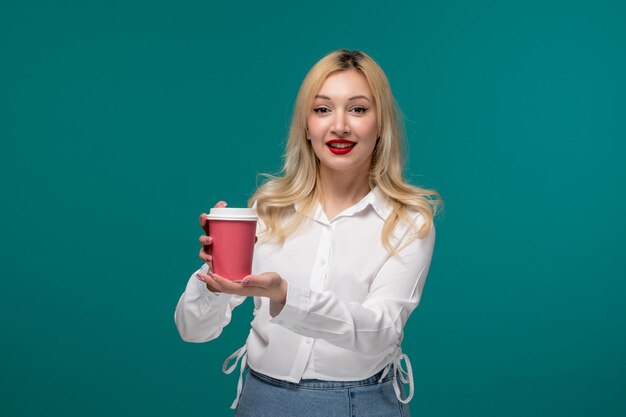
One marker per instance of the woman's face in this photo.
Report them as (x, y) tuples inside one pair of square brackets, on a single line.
[(342, 124)]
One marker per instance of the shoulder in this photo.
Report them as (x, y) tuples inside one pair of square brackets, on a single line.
[(414, 221), (413, 233), (418, 219)]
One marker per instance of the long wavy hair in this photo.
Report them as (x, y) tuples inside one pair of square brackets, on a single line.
[(298, 182)]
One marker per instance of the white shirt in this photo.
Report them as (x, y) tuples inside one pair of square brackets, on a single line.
[(347, 302)]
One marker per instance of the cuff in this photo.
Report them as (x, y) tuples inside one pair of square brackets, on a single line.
[(207, 298), (296, 307)]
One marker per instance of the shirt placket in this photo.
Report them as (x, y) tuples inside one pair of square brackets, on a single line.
[(321, 264), (317, 283)]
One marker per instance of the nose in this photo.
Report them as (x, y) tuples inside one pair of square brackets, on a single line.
[(340, 125)]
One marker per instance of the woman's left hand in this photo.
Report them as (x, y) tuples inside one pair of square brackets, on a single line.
[(267, 284)]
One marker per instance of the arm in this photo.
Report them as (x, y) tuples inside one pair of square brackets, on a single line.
[(200, 314), (377, 322)]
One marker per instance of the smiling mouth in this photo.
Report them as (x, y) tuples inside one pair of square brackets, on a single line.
[(340, 143), (340, 146)]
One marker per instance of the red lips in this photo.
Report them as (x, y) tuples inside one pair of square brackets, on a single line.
[(340, 146)]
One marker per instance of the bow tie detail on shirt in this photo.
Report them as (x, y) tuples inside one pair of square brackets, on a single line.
[(241, 353), (405, 376)]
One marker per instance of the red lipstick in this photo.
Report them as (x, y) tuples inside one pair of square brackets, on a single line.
[(340, 146)]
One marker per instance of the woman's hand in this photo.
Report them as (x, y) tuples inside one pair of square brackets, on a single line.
[(205, 240), (267, 284)]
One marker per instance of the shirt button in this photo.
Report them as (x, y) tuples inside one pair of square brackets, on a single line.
[(307, 341), (323, 262)]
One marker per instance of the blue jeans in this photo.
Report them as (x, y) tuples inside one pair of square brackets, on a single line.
[(263, 396)]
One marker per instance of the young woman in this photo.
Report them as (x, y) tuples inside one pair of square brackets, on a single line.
[(344, 249)]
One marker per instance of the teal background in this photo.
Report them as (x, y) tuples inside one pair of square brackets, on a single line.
[(120, 122)]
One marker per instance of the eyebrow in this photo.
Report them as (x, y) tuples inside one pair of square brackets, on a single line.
[(350, 99)]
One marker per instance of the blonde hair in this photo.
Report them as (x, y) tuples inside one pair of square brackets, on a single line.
[(299, 179)]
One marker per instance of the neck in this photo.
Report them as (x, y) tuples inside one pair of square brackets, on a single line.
[(340, 191)]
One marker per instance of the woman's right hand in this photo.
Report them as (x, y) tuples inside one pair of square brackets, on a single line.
[(205, 240)]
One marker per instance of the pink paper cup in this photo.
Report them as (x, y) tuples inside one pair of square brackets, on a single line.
[(233, 231)]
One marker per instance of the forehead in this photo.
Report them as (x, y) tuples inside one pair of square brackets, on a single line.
[(347, 83)]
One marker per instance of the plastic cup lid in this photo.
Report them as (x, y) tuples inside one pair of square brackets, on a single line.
[(229, 213)]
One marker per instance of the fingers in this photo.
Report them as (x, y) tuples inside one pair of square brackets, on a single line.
[(203, 217), (264, 285), (203, 223), (205, 256), (266, 280), (250, 281), (257, 281), (205, 240), (217, 283), (211, 285)]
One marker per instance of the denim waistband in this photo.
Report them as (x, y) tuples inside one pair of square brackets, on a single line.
[(393, 371), (319, 384)]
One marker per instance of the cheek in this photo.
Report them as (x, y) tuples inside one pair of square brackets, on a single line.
[(310, 126), (369, 128), (315, 128)]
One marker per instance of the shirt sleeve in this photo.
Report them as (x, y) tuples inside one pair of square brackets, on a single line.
[(200, 314), (376, 323)]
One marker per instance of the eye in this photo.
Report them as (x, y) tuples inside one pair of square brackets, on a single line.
[(359, 109), (321, 110)]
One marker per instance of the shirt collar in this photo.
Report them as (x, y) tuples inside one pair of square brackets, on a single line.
[(381, 203), (375, 198)]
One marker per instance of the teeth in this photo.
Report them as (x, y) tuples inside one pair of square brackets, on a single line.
[(341, 145)]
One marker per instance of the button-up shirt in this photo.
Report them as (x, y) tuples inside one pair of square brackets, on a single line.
[(348, 298)]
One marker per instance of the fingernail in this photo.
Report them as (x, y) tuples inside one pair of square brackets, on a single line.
[(199, 277), (245, 281), (222, 203)]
